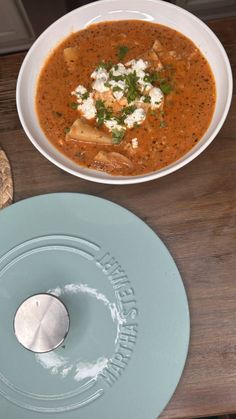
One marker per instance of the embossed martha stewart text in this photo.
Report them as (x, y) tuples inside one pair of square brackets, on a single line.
[(128, 328)]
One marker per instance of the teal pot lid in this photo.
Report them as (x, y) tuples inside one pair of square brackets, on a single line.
[(129, 320)]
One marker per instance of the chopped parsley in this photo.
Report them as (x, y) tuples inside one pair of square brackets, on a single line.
[(156, 79), (147, 99), (116, 78), (101, 65), (117, 135), (122, 51), (163, 124), (152, 77), (59, 114), (85, 96), (107, 65), (132, 91), (120, 119), (127, 110), (74, 105), (166, 88), (116, 89), (100, 104), (102, 112)]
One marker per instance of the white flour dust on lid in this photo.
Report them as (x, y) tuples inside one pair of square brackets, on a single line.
[(79, 369)]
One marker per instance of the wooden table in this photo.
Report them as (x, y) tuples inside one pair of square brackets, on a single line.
[(194, 213)]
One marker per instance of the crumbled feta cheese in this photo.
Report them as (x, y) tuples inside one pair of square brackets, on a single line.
[(88, 108), (144, 86), (99, 86), (104, 81), (137, 116), (138, 65), (120, 83), (118, 94), (141, 74), (134, 143), (78, 92), (118, 70), (156, 96), (100, 75), (113, 124)]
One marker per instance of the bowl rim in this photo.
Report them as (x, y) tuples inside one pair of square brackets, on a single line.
[(114, 180)]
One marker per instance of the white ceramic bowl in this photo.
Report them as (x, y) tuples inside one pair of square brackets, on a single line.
[(149, 10)]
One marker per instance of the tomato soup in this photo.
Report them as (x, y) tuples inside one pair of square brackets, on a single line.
[(125, 97)]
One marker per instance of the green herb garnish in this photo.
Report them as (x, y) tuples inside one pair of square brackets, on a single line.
[(116, 89), (107, 65), (163, 124), (166, 88), (74, 105), (117, 135), (147, 99), (132, 92), (101, 65), (85, 96), (116, 78), (127, 110), (122, 51), (152, 77), (120, 119), (59, 114), (100, 104), (102, 112)]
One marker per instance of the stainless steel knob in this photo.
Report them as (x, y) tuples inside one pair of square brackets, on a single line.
[(41, 323)]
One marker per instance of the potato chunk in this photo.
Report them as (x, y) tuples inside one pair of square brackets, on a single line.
[(71, 56), (84, 132), (152, 56), (111, 160)]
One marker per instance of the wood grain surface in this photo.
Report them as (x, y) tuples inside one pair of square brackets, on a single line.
[(194, 213)]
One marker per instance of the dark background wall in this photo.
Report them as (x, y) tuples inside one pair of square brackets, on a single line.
[(44, 12), (22, 21)]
